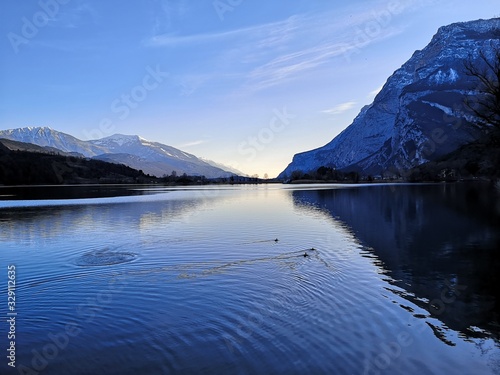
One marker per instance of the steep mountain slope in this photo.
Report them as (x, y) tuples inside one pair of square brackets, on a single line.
[(151, 157), (419, 115), (478, 159)]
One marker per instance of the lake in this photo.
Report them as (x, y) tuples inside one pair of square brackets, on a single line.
[(254, 279)]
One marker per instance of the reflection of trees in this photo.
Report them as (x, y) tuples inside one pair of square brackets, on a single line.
[(440, 243), (27, 224)]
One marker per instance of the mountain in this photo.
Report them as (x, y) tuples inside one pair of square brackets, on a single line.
[(151, 157), (27, 164), (30, 147), (224, 167), (45, 136), (418, 116), (478, 159)]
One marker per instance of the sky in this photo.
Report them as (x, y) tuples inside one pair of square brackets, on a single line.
[(246, 83)]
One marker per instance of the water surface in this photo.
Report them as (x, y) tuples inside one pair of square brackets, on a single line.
[(324, 279)]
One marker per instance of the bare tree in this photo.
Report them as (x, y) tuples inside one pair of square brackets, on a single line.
[(485, 103)]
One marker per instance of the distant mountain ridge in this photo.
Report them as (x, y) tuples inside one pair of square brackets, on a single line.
[(45, 136), (418, 116), (28, 164), (30, 147), (224, 167), (153, 158)]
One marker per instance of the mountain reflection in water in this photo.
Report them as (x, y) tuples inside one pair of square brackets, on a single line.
[(439, 245)]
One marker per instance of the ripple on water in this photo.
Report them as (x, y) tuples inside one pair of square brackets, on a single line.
[(105, 257)]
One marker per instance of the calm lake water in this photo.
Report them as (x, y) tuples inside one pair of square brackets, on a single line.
[(278, 279)]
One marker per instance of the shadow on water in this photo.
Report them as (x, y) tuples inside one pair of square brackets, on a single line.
[(438, 245)]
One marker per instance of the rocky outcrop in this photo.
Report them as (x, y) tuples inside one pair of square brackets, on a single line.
[(419, 115)]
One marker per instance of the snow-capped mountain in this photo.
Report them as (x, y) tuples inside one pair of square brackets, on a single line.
[(30, 147), (419, 115), (151, 157), (135, 145), (45, 136)]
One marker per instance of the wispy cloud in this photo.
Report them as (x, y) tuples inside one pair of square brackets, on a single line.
[(374, 93), (192, 144), (289, 65), (314, 41), (265, 35), (171, 39), (263, 56), (340, 108)]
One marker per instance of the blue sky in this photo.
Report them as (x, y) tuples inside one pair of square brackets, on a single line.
[(247, 83)]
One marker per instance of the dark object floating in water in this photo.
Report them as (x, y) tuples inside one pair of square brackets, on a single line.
[(261, 241), (306, 255), (105, 257)]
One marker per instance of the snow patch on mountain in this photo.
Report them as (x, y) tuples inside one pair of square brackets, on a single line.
[(152, 157), (441, 77), (419, 115)]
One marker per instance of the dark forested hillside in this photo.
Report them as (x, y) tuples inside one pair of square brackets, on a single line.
[(479, 159), (37, 167)]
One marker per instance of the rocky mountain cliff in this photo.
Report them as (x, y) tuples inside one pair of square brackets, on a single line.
[(151, 157), (419, 115)]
